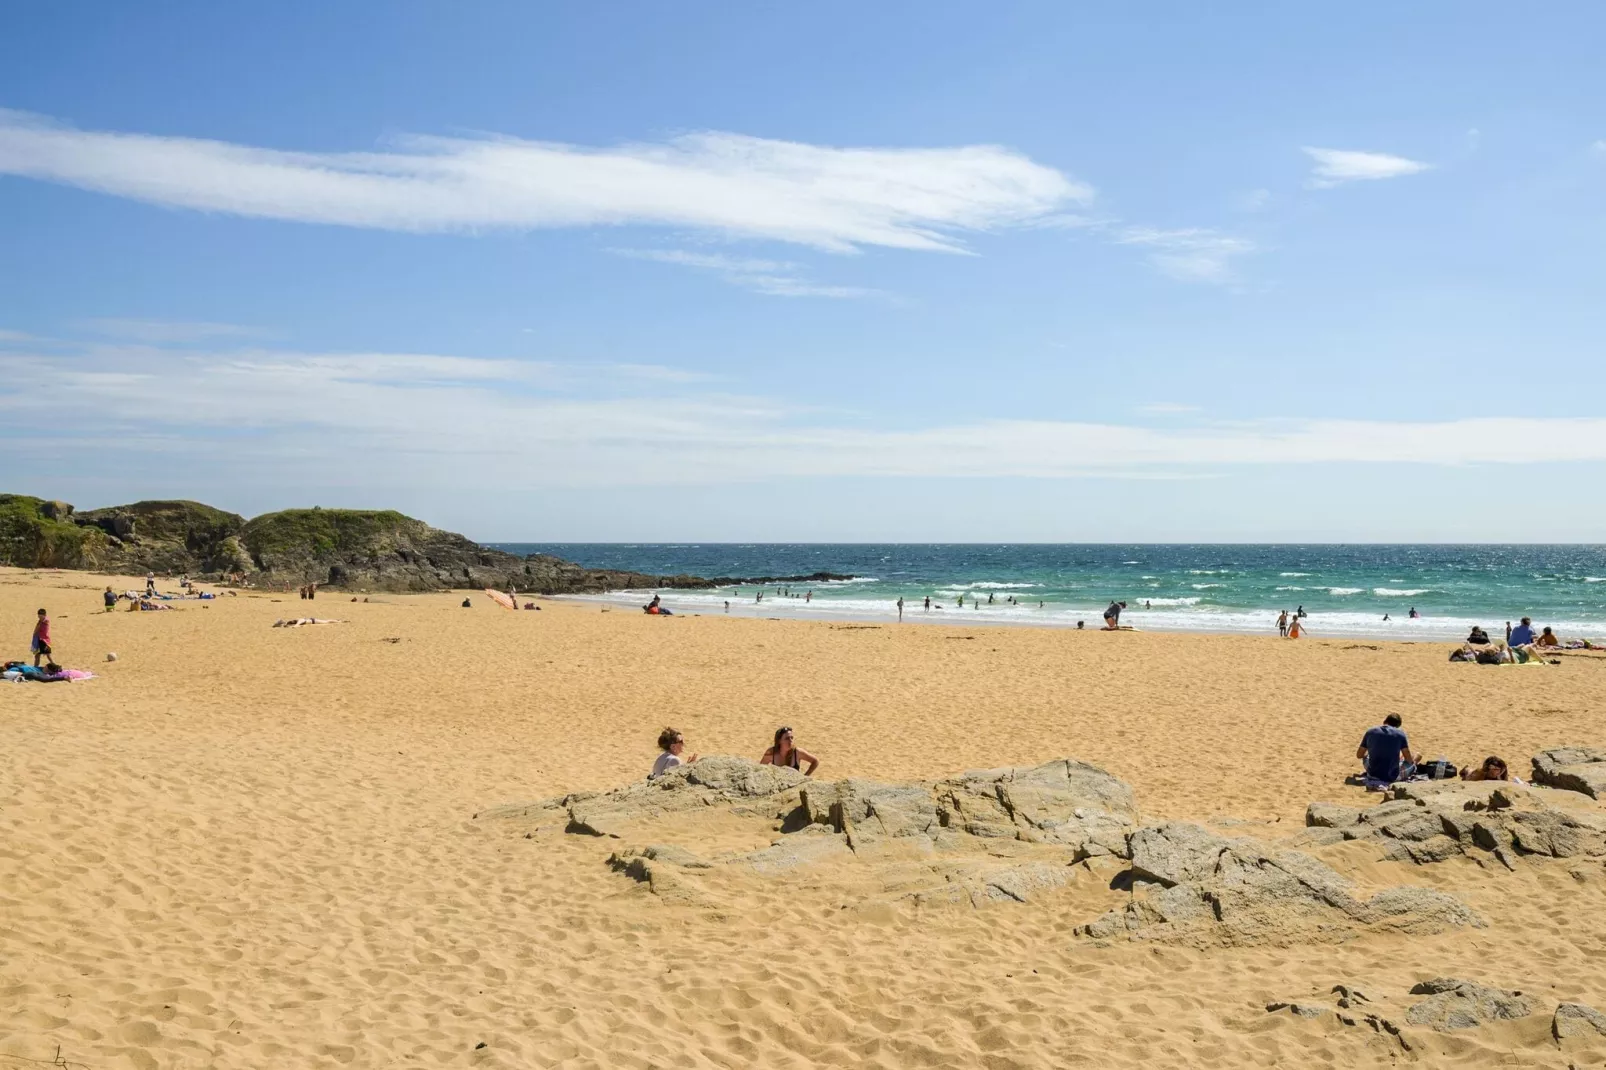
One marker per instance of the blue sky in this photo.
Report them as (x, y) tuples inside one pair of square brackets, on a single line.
[(917, 272)]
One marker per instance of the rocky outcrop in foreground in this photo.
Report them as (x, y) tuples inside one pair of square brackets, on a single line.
[(1452, 1005), (1431, 821), (352, 549), (1002, 835)]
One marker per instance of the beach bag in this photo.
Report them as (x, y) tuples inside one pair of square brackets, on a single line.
[(1443, 769)]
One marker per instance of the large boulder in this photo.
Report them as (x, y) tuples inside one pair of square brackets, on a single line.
[(1572, 769), (1064, 802), (1189, 883)]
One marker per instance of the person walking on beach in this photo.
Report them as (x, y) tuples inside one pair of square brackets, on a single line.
[(41, 638), (808, 597), (110, 599), (928, 603), (1299, 613), (1282, 624), (900, 609), (150, 583)]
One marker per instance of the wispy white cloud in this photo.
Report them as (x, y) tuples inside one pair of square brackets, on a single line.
[(827, 197), (778, 278), (1254, 201), (511, 425), (1193, 254), (1598, 147), (1167, 408), (166, 331), (15, 336), (1337, 166)]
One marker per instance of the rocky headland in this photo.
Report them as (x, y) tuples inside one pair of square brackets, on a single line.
[(347, 549)]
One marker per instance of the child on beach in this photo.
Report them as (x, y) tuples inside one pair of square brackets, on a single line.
[(41, 638)]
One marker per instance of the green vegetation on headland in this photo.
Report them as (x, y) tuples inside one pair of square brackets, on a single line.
[(355, 549)]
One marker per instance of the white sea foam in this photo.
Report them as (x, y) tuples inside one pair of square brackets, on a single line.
[(1204, 586), (1179, 614), (1341, 590), (987, 585), (1204, 571), (1293, 573), (1595, 579), (1395, 592), (1148, 577), (1292, 588)]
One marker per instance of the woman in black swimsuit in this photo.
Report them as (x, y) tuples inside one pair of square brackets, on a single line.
[(783, 752)]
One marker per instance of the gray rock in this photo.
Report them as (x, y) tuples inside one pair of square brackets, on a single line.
[(1572, 769), (1331, 815), (713, 781), (1577, 1020), (1433, 821), (866, 808), (1191, 883), (1301, 1010), (1458, 1004), (1062, 802)]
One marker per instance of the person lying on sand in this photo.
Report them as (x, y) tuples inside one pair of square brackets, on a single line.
[(296, 622), (784, 753), (1493, 768), (673, 745), (1387, 754)]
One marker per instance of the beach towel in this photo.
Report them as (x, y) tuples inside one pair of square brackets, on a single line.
[(501, 599)]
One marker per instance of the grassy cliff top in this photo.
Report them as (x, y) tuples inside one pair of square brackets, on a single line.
[(321, 531)]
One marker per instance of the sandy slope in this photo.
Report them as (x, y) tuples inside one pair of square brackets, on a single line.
[(248, 847)]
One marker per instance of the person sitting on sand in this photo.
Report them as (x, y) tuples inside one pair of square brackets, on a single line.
[(1112, 616), (784, 753), (1493, 768), (1522, 634), (1479, 637), (673, 745), (1547, 638), (653, 606), (1387, 754)]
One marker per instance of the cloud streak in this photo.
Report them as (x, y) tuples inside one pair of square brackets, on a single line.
[(778, 278), (458, 421), (1193, 254), (1334, 167), (825, 197)]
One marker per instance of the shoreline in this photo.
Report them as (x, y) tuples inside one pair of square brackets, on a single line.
[(1052, 618)]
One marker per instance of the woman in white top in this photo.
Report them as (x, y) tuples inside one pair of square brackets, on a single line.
[(673, 745)]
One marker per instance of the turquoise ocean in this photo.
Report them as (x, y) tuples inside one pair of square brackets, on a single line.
[(1346, 590)]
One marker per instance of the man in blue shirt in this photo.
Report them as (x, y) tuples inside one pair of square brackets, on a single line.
[(1381, 749), (1522, 634)]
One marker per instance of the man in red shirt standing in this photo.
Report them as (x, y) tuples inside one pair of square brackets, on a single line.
[(41, 639)]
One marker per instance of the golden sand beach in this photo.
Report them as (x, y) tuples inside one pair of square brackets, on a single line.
[(247, 847)]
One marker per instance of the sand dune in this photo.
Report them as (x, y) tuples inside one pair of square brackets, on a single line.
[(249, 847)]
